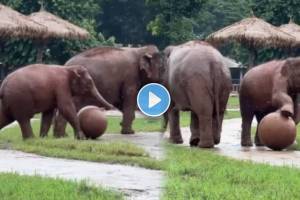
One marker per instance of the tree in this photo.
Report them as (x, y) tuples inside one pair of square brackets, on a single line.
[(126, 20), (80, 12)]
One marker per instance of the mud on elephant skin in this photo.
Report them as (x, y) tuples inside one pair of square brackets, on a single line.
[(43, 88), (199, 82), (118, 74), (270, 87)]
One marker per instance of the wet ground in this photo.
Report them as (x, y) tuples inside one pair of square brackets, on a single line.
[(136, 183), (229, 146)]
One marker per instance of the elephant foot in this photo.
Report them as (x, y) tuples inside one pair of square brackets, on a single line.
[(43, 135), (27, 137), (60, 135), (80, 136), (194, 142), (246, 143), (206, 144), (127, 132), (217, 140), (258, 142), (176, 140)]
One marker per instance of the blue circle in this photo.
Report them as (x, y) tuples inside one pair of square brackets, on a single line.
[(153, 100)]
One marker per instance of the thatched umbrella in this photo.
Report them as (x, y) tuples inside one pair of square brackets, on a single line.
[(253, 32), (294, 30), (14, 24), (57, 28)]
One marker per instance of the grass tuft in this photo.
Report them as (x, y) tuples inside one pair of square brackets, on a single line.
[(201, 174), (17, 187), (97, 151)]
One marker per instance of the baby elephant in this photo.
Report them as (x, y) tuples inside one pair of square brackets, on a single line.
[(43, 88)]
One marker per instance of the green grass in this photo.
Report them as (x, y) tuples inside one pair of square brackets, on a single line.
[(152, 124), (17, 187), (98, 151), (200, 174), (233, 102)]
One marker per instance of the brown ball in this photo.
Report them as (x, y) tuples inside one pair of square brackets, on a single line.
[(276, 131), (92, 121)]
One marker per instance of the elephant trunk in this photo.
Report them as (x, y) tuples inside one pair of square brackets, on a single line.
[(101, 99)]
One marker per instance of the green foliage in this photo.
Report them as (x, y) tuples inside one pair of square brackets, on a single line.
[(83, 13), (17, 187), (162, 22), (126, 20)]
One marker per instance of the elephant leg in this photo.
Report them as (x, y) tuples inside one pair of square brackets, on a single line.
[(128, 110), (68, 110), (164, 122), (194, 127), (296, 116), (60, 124), (206, 133), (259, 117), (175, 133), (26, 128), (247, 117), (4, 120), (46, 123)]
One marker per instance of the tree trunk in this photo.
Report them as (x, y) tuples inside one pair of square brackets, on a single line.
[(252, 56), (41, 46)]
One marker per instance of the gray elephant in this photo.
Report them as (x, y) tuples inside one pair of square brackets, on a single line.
[(118, 74), (199, 82), (41, 89), (269, 87)]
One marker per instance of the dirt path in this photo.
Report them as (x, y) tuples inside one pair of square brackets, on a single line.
[(136, 183)]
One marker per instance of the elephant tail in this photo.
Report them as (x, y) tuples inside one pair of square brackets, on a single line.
[(216, 74)]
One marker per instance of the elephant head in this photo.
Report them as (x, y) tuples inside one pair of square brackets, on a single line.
[(286, 82), (150, 64), (81, 83)]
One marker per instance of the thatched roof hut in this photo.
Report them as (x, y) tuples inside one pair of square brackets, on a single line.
[(57, 27), (292, 29), (14, 24), (253, 31)]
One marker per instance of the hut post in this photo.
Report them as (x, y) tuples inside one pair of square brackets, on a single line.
[(252, 56), (41, 46)]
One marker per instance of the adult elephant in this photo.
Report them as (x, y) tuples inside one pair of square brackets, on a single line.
[(118, 74), (43, 88), (199, 82), (269, 87)]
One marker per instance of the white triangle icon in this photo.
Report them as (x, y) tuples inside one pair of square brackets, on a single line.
[(153, 100)]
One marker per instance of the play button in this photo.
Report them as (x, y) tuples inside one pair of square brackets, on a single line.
[(153, 100)]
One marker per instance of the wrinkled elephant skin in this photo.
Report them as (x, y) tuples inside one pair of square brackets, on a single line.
[(199, 82)]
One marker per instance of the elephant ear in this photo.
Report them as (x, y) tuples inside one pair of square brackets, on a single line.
[(168, 51), (291, 67), (285, 70), (77, 79), (145, 64)]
